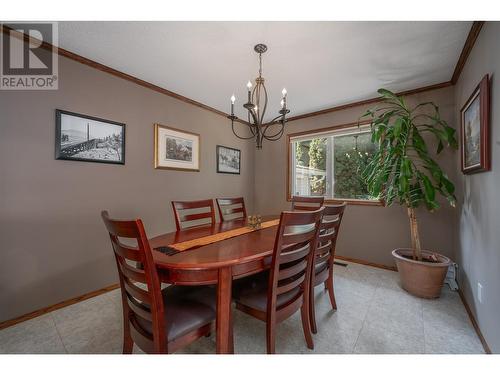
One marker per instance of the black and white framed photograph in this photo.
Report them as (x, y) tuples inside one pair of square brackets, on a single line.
[(228, 160), (176, 149), (86, 138)]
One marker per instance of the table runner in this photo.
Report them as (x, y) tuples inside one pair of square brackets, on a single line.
[(197, 242)]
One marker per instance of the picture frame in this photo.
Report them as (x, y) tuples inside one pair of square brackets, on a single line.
[(86, 138), (176, 149), (228, 160), (475, 142)]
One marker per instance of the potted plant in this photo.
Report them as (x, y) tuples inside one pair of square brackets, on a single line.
[(403, 171)]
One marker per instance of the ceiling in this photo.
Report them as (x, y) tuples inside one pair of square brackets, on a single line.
[(321, 64)]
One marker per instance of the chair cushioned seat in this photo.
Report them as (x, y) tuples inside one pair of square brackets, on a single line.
[(187, 308), (253, 293)]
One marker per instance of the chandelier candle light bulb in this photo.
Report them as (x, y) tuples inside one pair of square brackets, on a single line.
[(233, 99), (256, 109)]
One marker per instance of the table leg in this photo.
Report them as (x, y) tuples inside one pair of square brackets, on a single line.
[(224, 321)]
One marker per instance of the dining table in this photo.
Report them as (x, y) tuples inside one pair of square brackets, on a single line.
[(216, 263)]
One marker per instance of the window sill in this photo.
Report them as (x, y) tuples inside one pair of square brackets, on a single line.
[(351, 202)]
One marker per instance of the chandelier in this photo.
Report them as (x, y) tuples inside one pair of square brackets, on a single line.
[(256, 107)]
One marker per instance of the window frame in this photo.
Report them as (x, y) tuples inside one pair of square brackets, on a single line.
[(304, 134)]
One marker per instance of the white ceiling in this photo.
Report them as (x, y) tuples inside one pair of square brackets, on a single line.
[(321, 64)]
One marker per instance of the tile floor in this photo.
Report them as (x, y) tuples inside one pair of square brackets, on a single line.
[(374, 316)]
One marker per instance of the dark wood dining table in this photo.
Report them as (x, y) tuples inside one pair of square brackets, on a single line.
[(217, 263)]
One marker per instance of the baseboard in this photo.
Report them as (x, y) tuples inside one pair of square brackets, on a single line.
[(57, 306), (474, 323), (366, 263)]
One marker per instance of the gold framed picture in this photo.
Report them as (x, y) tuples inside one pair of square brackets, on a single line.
[(176, 149)]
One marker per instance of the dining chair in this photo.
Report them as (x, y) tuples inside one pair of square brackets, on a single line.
[(306, 203), (193, 213), (274, 298), (231, 208), (157, 321), (325, 256)]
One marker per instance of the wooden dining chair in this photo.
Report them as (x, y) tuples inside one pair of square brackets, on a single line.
[(193, 213), (157, 321), (231, 208), (325, 256), (275, 298), (306, 203)]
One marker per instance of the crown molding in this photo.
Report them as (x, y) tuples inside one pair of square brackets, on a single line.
[(368, 101), (467, 48)]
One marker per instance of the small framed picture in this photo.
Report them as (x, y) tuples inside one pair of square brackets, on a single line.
[(176, 149), (87, 138), (228, 160), (474, 130)]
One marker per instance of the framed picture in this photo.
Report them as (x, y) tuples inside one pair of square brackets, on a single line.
[(86, 138), (474, 130), (176, 149), (228, 160)]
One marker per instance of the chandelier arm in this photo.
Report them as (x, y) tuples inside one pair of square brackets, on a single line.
[(234, 132), (250, 126), (276, 136), (265, 104), (254, 116), (274, 122)]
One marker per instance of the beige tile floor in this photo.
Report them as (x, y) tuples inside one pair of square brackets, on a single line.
[(374, 316)]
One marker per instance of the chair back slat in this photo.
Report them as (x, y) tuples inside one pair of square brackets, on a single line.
[(294, 252), (140, 310), (136, 292), (290, 284), (306, 203), (186, 218), (231, 208), (133, 273), (127, 252), (292, 270), (193, 217), (295, 245), (140, 286), (329, 229)]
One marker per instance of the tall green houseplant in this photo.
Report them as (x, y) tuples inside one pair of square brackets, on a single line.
[(403, 170)]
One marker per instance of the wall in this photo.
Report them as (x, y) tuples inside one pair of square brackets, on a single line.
[(368, 232), (478, 247), (52, 240)]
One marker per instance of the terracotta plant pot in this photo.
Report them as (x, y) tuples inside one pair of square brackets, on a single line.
[(420, 278)]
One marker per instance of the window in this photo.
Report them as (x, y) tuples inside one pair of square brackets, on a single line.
[(329, 164)]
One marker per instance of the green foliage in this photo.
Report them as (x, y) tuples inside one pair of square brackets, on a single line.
[(402, 170), (317, 153), (317, 160), (351, 157)]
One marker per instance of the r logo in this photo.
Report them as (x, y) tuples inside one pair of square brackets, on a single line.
[(29, 62)]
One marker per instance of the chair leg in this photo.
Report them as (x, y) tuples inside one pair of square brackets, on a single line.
[(271, 337), (128, 343), (306, 325), (331, 292), (312, 313)]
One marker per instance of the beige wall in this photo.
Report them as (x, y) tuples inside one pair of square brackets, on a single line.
[(368, 233), (53, 244), (478, 248)]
